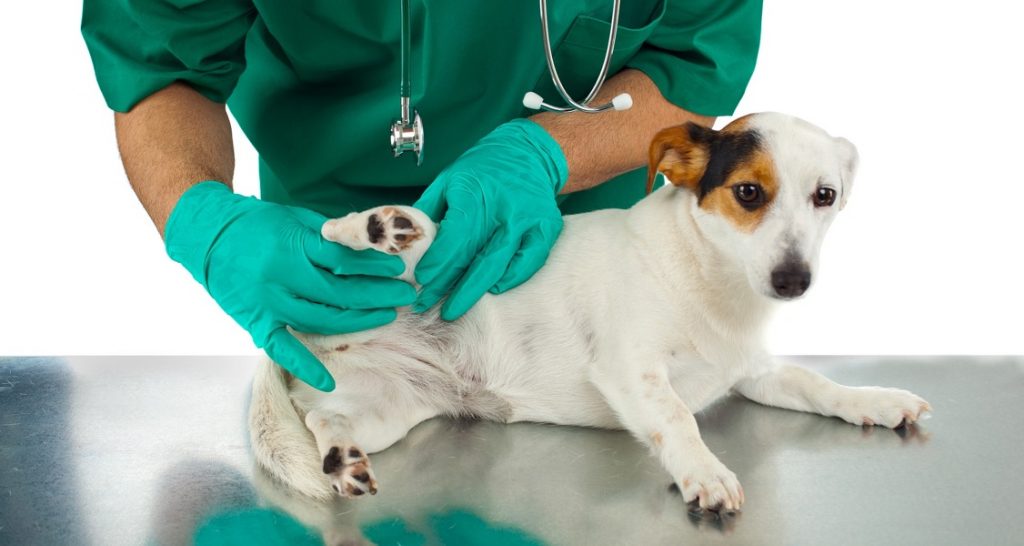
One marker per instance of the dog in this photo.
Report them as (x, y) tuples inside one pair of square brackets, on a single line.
[(639, 319)]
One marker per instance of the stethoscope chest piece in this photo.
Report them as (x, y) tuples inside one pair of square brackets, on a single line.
[(407, 131), (407, 136)]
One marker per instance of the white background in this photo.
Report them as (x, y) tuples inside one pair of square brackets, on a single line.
[(925, 259)]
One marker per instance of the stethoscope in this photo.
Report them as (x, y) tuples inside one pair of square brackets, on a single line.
[(407, 132)]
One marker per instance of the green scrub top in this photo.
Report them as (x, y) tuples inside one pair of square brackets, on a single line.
[(315, 84)]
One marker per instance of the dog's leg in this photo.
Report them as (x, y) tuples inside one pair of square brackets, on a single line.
[(800, 389), (650, 408)]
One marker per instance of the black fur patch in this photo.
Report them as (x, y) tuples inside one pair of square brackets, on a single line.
[(332, 461), (726, 150), (375, 229)]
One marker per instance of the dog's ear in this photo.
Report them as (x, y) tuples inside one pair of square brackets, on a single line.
[(848, 160), (681, 154)]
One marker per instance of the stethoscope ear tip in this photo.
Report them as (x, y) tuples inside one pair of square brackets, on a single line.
[(532, 101)]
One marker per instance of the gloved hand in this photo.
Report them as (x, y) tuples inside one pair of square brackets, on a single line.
[(267, 266), (500, 217)]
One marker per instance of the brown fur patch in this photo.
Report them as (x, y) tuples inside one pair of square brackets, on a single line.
[(657, 439), (651, 378), (758, 168), (674, 153), (679, 413)]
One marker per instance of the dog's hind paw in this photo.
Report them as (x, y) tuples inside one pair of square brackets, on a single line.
[(348, 469), (390, 229)]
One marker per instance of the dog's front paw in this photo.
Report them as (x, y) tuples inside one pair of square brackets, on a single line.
[(349, 471), (708, 485), (891, 408)]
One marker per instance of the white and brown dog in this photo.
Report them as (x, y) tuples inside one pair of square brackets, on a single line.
[(639, 318)]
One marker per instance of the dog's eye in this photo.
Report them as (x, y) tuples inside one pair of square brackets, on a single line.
[(824, 197), (749, 195)]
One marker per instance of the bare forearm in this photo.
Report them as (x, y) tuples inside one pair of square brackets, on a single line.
[(170, 141), (599, 147)]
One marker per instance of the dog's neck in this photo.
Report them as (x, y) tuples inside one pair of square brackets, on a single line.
[(678, 254)]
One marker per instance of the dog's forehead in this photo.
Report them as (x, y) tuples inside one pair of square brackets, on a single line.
[(800, 151)]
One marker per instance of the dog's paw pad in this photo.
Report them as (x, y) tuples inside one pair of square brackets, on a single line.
[(348, 469), (392, 230)]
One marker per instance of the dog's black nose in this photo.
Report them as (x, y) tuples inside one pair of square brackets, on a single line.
[(790, 281)]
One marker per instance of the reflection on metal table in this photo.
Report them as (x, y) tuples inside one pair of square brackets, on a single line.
[(154, 450)]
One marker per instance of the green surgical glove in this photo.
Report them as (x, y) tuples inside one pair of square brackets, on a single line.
[(267, 266), (498, 217)]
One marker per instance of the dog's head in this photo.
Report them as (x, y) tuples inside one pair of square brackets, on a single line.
[(767, 187)]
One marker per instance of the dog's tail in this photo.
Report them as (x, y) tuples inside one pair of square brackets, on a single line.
[(280, 440)]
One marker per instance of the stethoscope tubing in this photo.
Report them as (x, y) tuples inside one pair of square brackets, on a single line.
[(583, 106), (405, 91)]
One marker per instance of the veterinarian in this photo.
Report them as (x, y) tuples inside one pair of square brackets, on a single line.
[(314, 86)]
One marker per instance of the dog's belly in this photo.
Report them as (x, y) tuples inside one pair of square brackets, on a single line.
[(536, 372), (545, 395)]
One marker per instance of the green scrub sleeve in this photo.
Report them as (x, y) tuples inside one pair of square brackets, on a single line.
[(702, 54), (140, 47)]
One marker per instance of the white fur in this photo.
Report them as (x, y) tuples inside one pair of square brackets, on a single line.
[(639, 319)]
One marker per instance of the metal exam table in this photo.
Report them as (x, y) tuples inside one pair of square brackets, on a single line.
[(154, 450)]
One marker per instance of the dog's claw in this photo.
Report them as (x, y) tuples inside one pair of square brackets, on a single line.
[(715, 513)]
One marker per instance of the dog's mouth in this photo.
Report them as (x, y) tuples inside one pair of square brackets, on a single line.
[(784, 298)]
